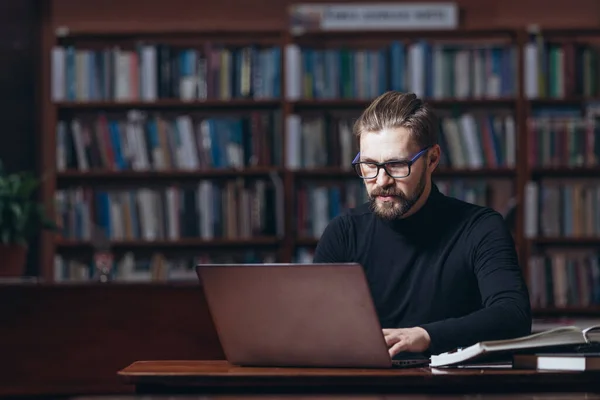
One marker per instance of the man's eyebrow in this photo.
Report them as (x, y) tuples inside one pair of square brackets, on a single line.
[(369, 159)]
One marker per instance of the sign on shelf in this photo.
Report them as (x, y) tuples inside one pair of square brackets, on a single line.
[(379, 16)]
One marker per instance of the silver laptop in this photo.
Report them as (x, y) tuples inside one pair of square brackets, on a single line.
[(296, 315)]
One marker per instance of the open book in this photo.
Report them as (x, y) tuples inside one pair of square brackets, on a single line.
[(567, 339)]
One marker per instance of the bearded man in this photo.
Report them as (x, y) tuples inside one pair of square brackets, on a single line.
[(443, 273)]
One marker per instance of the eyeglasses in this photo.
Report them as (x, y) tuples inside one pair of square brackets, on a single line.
[(395, 168)]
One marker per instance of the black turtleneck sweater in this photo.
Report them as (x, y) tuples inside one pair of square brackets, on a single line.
[(450, 268)]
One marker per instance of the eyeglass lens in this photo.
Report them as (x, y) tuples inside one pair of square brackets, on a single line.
[(395, 169)]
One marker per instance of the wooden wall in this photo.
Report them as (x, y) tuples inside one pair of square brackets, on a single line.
[(271, 14), (72, 339)]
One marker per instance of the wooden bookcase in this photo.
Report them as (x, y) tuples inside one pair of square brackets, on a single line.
[(567, 222), (287, 243)]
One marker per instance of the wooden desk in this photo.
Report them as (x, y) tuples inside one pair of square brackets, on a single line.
[(362, 396), (175, 377)]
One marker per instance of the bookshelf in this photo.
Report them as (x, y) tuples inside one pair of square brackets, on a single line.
[(562, 202), (288, 122)]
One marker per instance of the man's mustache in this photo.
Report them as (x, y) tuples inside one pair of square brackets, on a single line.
[(385, 192)]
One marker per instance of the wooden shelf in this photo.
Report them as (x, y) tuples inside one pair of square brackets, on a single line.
[(566, 241), (551, 33), (476, 173), (307, 241), (565, 171), (168, 104), (324, 172), (407, 34), (593, 310), (334, 172), (540, 102), (158, 29), (78, 176), (180, 243), (441, 103)]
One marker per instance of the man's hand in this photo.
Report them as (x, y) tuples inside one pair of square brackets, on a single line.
[(414, 340)]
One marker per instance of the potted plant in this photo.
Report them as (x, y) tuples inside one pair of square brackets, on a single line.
[(21, 217)]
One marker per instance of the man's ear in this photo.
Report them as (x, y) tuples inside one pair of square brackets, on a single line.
[(434, 156)]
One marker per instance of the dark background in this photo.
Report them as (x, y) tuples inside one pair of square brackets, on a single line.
[(19, 48)]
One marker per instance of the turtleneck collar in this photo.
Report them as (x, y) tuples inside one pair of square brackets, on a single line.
[(421, 219)]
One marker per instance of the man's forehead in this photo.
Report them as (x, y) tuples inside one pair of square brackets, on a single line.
[(394, 136), (381, 157), (386, 143), (398, 132)]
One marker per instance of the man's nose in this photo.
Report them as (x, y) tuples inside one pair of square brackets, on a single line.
[(383, 179)]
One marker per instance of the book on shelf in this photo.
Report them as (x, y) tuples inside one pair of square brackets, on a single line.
[(232, 209), (430, 69), (152, 141), (153, 71), (554, 68), (558, 361), (470, 140), (562, 208), (547, 323), (320, 141), (564, 137), (562, 339), (155, 267), (478, 139), (564, 278), (318, 202)]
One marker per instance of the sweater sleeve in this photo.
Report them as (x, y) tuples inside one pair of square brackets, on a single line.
[(332, 246), (506, 310)]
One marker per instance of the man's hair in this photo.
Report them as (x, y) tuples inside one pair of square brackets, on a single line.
[(399, 110)]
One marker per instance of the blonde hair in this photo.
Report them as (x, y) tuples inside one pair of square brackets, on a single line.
[(399, 110)]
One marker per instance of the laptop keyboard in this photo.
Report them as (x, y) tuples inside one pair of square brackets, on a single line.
[(410, 363)]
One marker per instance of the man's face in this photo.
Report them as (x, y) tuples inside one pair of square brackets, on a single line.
[(392, 198)]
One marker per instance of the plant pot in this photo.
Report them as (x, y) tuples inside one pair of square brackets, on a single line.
[(12, 260)]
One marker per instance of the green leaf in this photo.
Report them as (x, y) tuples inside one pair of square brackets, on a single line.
[(6, 236), (27, 187), (17, 211), (21, 215)]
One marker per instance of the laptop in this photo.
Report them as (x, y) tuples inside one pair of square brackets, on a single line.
[(296, 315)]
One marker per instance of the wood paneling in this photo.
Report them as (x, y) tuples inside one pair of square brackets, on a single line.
[(548, 14), (103, 15), (69, 339)]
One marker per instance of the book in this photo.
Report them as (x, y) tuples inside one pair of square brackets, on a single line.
[(558, 362), (558, 340)]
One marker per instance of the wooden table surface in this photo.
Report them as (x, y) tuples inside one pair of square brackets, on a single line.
[(485, 396), (219, 376)]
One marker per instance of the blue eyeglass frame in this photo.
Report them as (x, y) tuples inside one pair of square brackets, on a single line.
[(409, 163)]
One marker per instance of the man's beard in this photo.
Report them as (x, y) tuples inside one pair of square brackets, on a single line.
[(400, 204)]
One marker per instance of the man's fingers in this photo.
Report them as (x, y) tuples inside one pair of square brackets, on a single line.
[(391, 339), (394, 338), (394, 332), (397, 348)]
